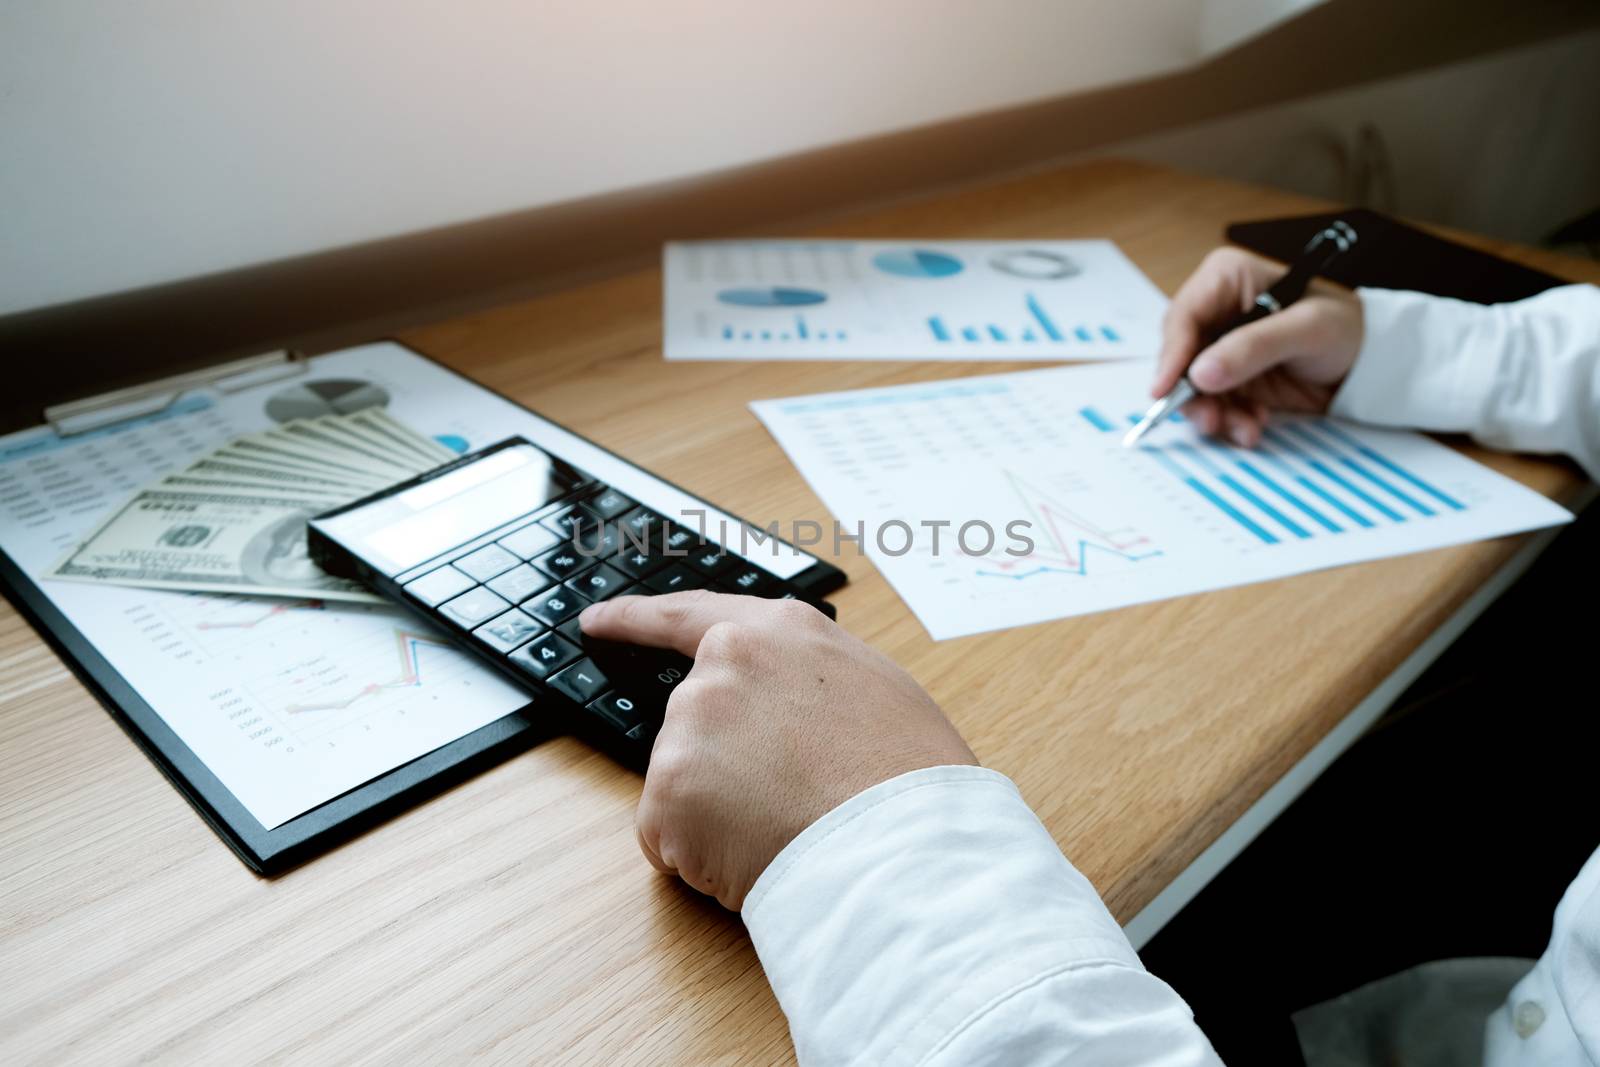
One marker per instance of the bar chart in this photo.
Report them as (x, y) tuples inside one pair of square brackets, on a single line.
[(1085, 524), (1038, 326), (1308, 478), (946, 300)]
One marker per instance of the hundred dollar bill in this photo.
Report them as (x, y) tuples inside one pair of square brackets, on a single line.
[(380, 422), (235, 541)]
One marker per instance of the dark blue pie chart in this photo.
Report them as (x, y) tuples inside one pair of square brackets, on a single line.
[(775, 297), (917, 263)]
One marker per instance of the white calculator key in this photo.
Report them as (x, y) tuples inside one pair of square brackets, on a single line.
[(487, 562), (519, 583), (469, 609), (530, 541), (435, 587), (507, 631)]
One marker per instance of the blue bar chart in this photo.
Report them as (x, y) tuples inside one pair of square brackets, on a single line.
[(1081, 523), (947, 300), (1036, 326), (800, 332), (1307, 479)]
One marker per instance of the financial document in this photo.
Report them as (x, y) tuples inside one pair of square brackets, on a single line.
[(289, 701), (1008, 499), (956, 300)]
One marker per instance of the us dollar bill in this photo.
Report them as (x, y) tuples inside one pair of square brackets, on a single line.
[(228, 539)]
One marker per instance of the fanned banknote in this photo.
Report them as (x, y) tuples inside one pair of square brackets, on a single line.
[(234, 521)]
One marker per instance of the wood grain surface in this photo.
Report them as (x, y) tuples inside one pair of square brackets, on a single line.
[(513, 917)]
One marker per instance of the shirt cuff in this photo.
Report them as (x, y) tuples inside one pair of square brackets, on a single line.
[(1413, 369), (903, 912)]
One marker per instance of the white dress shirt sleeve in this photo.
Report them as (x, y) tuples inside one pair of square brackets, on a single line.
[(932, 920), (1552, 1017), (1522, 377)]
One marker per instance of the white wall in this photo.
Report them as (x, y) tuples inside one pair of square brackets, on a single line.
[(1507, 145), (151, 141)]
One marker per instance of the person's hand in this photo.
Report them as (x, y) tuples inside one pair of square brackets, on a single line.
[(783, 717), (1293, 360)]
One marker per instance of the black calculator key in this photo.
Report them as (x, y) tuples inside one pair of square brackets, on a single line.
[(519, 583), (675, 579), (435, 587), (545, 655), (582, 682), (601, 582), (621, 711), (598, 542), (609, 504), (638, 523), (647, 675), (747, 579), (469, 609), (530, 541), (572, 520), (564, 562), (487, 562), (645, 732), (636, 564), (571, 631), (505, 632), (556, 606), (676, 543), (711, 561)]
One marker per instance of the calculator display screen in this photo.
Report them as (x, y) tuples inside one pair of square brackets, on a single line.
[(398, 532)]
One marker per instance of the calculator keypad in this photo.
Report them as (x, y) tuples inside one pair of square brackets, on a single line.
[(487, 562), (556, 606), (505, 632), (564, 562), (582, 681), (474, 607), (543, 657), (598, 584), (519, 583), (435, 587), (529, 541), (520, 596), (609, 504)]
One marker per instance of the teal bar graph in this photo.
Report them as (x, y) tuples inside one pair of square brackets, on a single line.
[(1044, 320), (1307, 479), (1097, 420)]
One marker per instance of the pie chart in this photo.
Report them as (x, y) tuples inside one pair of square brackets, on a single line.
[(331, 396), (775, 297), (917, 263)]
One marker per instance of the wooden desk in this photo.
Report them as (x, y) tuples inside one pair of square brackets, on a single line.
[(514, 916)]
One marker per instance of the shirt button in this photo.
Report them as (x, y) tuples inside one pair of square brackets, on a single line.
[(1528, 1017)]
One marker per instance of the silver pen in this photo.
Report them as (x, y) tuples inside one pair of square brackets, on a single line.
[(1329, 243)]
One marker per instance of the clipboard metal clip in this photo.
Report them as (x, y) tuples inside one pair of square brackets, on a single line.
[(154, 397)]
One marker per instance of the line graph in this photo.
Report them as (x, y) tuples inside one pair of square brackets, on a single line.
[(1065, 538), (408, 675)]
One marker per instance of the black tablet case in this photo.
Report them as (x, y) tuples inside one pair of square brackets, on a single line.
[(276, 850), (1391, 255)]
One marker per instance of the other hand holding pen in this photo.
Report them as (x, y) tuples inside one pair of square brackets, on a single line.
[(1294, 360)]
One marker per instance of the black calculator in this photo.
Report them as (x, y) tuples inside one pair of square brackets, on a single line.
[(504, 547)]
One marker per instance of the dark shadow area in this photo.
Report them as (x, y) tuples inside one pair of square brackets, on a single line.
[(1451, 829)]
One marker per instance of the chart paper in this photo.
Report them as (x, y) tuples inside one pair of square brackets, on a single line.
[(290, 702), (954, 300), (1106, 526)]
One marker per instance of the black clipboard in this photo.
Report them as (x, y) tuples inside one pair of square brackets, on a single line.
[(274, 851)]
